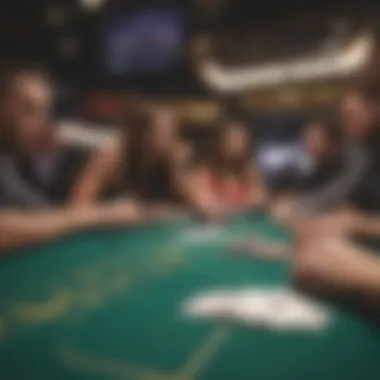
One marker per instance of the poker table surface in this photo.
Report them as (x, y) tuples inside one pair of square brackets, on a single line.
[(107, 305)]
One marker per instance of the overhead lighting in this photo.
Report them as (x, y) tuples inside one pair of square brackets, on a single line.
[(92, 5)]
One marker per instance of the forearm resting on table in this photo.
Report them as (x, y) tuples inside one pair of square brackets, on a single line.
[(21, 228), (364, 279), (198, 196), (335, 266), (367, 225), (364, 282), (350, 222), (368, 279)]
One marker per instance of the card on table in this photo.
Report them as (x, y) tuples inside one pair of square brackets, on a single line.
[(278, 309)]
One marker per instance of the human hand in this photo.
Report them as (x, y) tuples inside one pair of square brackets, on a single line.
[(215, 212), (329, 264), (257, 199), (283, 211), (335, 224), (122, 212)]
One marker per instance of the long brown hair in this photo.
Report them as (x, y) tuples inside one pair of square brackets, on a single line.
[(135, 125)]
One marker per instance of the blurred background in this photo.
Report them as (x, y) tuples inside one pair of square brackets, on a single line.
[(279, 63)]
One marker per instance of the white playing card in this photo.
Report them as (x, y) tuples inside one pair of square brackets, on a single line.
[(277, 309), (250, 307), (210, 304), (293, 311)]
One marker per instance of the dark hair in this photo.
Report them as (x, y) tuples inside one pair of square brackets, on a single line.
[(135, 123), (10, 72)]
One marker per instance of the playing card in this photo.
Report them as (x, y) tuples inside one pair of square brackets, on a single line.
[(293, 311), (277, 309), (250, 307), (210, 304)]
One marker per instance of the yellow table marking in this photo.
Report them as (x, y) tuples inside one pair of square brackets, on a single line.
[(120, 369), (94, 287), (45, 311), (204, 353)]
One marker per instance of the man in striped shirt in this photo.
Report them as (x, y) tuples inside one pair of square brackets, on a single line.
[(36, 172), (337, 252)]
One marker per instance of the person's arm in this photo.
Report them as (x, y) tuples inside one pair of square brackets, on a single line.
[(365, 225), (180, 160), (198, 194), (100, 172), (344, 222), (258, 192), (368, 277), (282, 210), (21, 228), (334, 266)]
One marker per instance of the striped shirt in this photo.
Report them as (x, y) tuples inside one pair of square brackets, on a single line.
[(336, 190), (40, 182)]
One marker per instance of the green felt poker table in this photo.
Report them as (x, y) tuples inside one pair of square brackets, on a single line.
[(107, 305)]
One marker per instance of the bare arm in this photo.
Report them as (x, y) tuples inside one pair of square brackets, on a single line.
[(19, 229), (345, 222), (368, 277), (101, 171), (336, 266), (179, 161), (23, 228), (258, 192), (366, 225), (198, 193)]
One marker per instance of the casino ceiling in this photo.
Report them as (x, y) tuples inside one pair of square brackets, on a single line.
[(68, 35)]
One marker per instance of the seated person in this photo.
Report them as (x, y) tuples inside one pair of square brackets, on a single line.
[(330, 257), (335, 168), (228, 180), (147, 164), (336, 252), (360, 123), (36, 171)]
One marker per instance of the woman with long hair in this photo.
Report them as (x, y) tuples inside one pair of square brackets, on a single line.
[(145, 164), (228, 179)]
